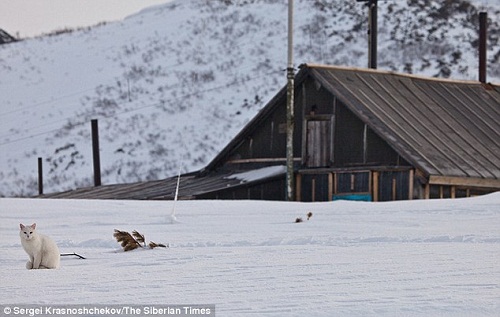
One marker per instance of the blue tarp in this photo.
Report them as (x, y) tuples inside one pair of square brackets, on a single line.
[(357, 197)]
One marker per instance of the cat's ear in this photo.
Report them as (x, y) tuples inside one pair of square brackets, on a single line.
[(21, 226), (33, 226)]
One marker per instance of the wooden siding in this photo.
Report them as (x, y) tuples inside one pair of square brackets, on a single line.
[(394, 185), (374, 184), (264, 144), (315, 187), (269, 190)]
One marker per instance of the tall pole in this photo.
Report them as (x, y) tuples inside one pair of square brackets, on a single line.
[(95, 153), (372, 54), (483, 20), (289, 109), (372, 32), (40, 176)]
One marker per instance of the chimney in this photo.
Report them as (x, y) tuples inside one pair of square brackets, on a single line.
[(483, 18)]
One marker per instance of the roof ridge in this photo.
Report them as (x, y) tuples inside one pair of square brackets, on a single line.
[(389, 72)]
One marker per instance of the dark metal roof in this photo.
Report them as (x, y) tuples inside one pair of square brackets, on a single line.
[(444, 127), (191, 186)]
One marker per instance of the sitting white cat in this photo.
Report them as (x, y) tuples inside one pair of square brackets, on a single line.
[(42, 250)]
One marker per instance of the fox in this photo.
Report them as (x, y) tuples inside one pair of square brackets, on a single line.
[(42, 251)]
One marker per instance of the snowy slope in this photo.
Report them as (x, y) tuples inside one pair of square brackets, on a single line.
[(177, 81), (249, 258)]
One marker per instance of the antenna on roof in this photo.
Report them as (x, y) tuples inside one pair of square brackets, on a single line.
[(372, 32)]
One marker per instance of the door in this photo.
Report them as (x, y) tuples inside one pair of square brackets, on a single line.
[(319, 143)]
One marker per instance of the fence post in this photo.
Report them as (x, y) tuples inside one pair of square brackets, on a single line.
[(40, 176), (95, 153)]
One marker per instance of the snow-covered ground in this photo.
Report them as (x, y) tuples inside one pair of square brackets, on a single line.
[(250, 258)]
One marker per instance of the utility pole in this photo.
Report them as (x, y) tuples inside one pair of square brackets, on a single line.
[(372, 32), (290, 186)]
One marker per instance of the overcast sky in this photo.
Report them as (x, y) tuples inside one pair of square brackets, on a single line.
[(26, 18)]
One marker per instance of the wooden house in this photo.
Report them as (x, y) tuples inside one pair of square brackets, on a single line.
[(359, 134)]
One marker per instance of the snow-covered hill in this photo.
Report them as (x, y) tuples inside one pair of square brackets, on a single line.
[(174, 83)]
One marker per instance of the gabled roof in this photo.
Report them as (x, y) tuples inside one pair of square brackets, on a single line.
[(444, 127)]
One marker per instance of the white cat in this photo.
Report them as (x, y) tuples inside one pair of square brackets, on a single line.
[(42, 250)]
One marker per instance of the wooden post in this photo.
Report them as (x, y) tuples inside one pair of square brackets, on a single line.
[(335, 185), (394, 188), (330, 186), (95, 153), (375, 185), (298, 182), (410, 184), (40, 176), (313, 189)]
